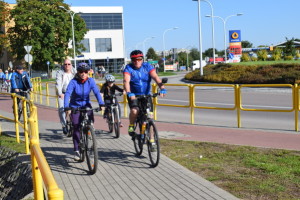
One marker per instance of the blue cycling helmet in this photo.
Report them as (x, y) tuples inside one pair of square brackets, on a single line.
[(83, 67)]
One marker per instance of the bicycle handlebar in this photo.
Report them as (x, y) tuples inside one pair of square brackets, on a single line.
[(83, 109)]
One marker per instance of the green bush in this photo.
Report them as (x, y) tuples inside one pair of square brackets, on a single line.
[(253, 58), (280, 73), (262, 54), (276, 55), (288, 58), (245, 57)]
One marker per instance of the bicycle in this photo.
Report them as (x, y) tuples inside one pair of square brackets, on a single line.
[(146, 127), (113, 117), (87, 144), (23, 93)]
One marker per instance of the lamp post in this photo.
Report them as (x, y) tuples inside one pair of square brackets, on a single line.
[(149, 38), (164, 44), (73, 35), (224, 27), (200, 38)]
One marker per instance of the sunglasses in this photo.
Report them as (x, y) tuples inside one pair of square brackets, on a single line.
[(136, 59), (67, 63), (80, 72)]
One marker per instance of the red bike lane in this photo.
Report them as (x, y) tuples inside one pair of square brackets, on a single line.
[(235, 136)]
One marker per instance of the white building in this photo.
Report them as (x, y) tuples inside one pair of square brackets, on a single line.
[(104, 42)]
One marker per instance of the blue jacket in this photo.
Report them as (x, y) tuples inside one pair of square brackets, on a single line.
[(20, 81), (78, 94)]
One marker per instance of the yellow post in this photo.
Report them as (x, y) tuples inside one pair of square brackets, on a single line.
[(25, 126), (296, 106), (192, 102), (47, 93), (36, 173), (125, 105), (154, 100), (16, 114), (238, 102), (40, 90)]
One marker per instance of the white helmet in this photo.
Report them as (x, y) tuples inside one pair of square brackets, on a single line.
[(109, 78)]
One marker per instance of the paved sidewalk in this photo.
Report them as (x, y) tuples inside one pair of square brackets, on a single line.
[(121, 175)]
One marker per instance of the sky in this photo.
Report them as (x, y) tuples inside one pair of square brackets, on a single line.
[(264, 22)]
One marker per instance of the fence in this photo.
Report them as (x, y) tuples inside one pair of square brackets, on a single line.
[(41, 172), (236, 96)]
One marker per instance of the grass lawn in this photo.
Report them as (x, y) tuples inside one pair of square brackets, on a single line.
[(11, 143), (246, 172)]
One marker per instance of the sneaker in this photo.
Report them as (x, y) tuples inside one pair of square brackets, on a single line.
[(104, 116), (77, 156), (153, 147), (131, 130), (65, 131), (121, 125)]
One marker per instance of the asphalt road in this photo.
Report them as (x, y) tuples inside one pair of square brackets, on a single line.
[(252, 98)]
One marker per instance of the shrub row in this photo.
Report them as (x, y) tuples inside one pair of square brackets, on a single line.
[(254, 74)]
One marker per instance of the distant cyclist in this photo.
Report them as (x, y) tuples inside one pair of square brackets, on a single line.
[(20, 81), (137, 81), (78, 96), (108, 89)]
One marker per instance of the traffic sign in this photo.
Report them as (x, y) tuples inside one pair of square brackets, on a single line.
[(28, 48), (28, 58)]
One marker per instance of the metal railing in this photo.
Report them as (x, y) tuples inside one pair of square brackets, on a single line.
[(236, 96), (41, 172)]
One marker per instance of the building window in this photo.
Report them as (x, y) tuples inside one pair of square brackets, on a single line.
[(103, 44), (86, 43), (102, 21)]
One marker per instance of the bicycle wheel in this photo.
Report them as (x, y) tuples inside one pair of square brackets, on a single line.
[(153, 149), (91, 149), (109, 122), (138, 140), (69, 129), (116, 123), (20, 110), (28, 110)]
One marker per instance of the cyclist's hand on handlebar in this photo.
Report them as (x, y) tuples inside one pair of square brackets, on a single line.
[(17, 90), (163, 92), (101, 106), (31, 89)]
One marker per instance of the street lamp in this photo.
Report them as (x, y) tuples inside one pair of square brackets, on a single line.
[(200, 38), (224, 27), (149, 38), (164, 44), (73, 35)]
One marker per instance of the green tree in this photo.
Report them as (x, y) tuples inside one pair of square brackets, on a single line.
[(4, 12), (289, 49), (151, 54), (47, 28), (209, 52), (246, 44), (194, 54)]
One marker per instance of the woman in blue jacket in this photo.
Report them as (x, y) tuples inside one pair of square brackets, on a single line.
[(78, 96)]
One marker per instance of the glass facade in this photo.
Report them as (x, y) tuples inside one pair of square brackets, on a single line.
[(103, 44), (101, 21), (86, 44)]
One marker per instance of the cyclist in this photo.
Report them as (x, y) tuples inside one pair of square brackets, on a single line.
[(20, 81), (63, 77), (108, 89), (137, 81), (77, 96)]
